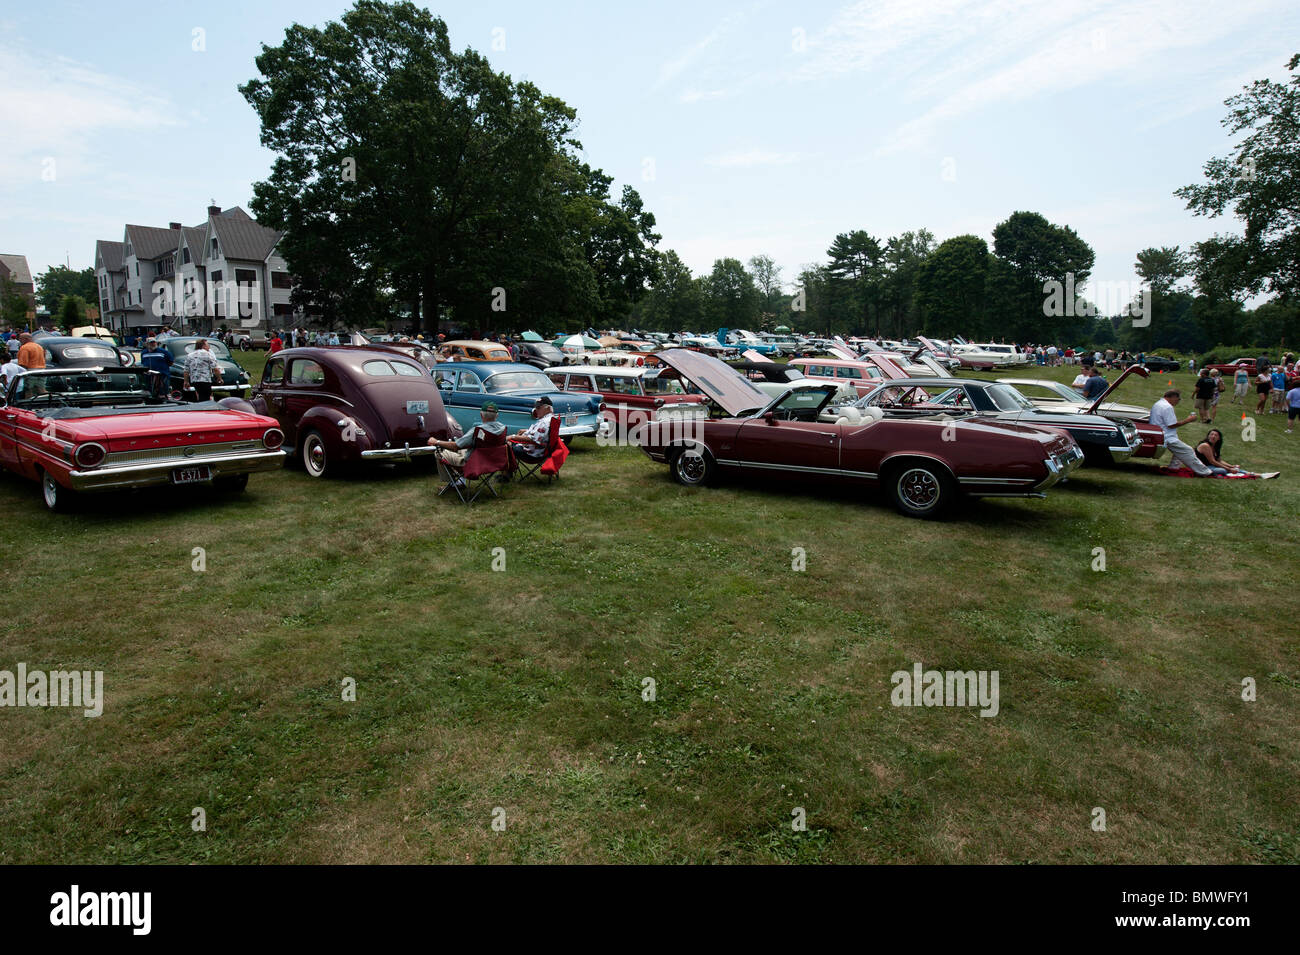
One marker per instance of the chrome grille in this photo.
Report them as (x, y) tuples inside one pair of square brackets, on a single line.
[(201, 451)]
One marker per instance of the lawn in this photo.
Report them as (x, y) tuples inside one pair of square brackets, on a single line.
[(521, 690)]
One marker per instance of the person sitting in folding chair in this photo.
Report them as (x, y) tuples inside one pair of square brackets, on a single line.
[(539, 447), (456, 463)]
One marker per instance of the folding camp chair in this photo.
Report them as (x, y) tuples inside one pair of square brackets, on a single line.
[(546, 463), (490, 455)]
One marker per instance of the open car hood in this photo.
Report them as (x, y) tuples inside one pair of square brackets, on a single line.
[(842, 352), (750, 355), (732, 391), (1101, 398)]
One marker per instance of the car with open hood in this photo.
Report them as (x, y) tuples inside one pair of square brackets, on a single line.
[(923, 464), (1057, 396), (342, 405), (514, 388), (94, 429), (1104, 440)]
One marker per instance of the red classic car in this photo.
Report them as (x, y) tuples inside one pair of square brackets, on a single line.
[(343, 405), (103, 429), (632, 396), (922, 463)]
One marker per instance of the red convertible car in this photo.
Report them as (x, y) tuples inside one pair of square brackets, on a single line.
[(923, 464), (103, 429)]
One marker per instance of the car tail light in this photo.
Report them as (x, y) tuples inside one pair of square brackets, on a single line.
[(273, 438), (90, 455)]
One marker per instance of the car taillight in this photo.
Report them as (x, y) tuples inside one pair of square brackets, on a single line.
[(273, 438), (89, 455)]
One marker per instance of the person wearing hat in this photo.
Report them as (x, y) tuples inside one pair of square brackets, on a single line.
[(458, 450), (532, 441), (158, 361)]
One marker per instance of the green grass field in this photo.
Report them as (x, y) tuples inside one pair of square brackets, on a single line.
[(522, 689)]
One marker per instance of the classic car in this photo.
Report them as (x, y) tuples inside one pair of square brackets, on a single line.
[(515, 388), (1229, 369), (472, 350), (775, 378), (540, 355), (1058, 396), (344, 405), (629, 394), (102, 429), (861, 373), (234, 380), (748, 341), (709, 346), (421, 352), (1103, 440), (923, 464), (69, 352), (1160, 363)]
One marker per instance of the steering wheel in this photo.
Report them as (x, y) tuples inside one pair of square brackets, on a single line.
[(52, 395)]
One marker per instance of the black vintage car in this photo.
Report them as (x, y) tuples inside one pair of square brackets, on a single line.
[(234, 380), (67, 352), (540, 354)]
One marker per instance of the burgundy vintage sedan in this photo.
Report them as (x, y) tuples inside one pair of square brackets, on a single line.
[(923, 464), (343, 405)]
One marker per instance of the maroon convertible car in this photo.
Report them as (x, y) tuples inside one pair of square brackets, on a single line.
[(922, 463)]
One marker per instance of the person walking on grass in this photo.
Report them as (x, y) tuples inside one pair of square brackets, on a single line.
[(1293, 406), (1263, 385), (1240, 385), (1277, 378), (202, 370), (1164, 417), (1203, 397)]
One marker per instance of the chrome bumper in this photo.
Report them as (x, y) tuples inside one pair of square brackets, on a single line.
[(1060, 466), (603, 429), (146, 475), (404, 453)]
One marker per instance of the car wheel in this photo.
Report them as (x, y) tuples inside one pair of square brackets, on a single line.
[(692, 467), (232, 484), (777, 353), (57, 497), (243, 344), (921, 489), (314, 454)]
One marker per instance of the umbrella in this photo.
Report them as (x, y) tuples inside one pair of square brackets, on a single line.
[(782, 329), (531, 337), (578, 342)]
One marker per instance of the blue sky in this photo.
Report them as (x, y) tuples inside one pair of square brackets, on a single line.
[(761, 127)]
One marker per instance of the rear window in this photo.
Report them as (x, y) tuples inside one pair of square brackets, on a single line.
[(90, 351), (379, 369), (409, 371)]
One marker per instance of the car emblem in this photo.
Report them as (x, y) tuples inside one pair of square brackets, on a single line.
[(189, 452)]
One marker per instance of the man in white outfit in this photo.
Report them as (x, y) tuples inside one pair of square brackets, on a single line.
[(1163, 417)]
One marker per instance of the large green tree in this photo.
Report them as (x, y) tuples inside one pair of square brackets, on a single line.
[(950, 287), (405, 168), (855, 278), (1260, 184), (1037, 252), (731, 300), (59, 280), (674, 302)]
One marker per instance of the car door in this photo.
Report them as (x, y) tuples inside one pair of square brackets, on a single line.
[(303, 389), (467, 396), (271, 390), (791, 448), (8, 447)]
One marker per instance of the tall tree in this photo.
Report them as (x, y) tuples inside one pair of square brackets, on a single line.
[(1260, 183), (950, 287), (767, 277), (1038, 252), (731, 298), (674, 302), (1162, 268), (855, 277), (59, 280)]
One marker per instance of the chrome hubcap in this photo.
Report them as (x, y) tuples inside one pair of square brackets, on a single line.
[(690, 465), (315, 456), (918, 489), (51, 490)]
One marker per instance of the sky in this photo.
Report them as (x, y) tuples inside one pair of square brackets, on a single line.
[(748, 128)]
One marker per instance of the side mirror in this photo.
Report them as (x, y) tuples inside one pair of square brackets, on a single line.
[(770, 417)]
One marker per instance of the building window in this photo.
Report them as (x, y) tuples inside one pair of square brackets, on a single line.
[(281, 280), (185, 255), (137, 270), (245, 277), (214, 247)]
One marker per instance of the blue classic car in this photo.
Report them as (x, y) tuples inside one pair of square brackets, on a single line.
[(467, 385)]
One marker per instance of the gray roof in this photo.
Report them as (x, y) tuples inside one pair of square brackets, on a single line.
[(111, 253), (150, 242), (17, 266), (242, 238), (194, 237)]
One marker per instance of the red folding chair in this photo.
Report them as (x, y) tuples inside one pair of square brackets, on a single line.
[(490, 455), (548, 462)]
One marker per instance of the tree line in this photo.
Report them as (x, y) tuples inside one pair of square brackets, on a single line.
[(415, 183)]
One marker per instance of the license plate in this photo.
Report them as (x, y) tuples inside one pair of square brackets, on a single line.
[(191, 475), (417, 407), (570, 420)]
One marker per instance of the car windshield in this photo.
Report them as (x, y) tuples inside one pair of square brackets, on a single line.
[(654, 385), (1006, 398), (519, 381), (801, 405), (80, 389)]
